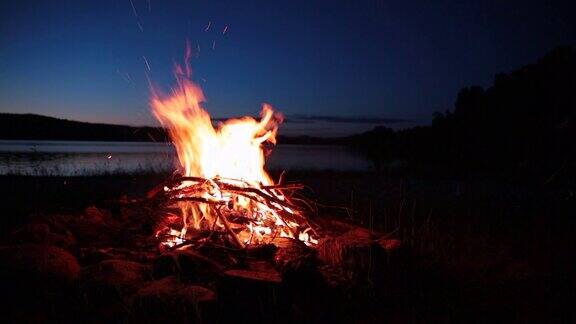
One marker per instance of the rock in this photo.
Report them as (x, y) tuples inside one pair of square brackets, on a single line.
[(186, 263), (108, 286), (390, 244), (257, 272), (37, 263), (42, 233), (94, 255), (170, 300), (193, 264), (350, 249), (120, 275), (295, 261), (336, 226), (164, 265), (255, 287), (287, 250), (94, 215), (356, 251), (261, 251), (95, 227), (220, 255), (38, 283)]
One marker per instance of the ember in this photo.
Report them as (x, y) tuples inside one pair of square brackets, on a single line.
[(223, 185)]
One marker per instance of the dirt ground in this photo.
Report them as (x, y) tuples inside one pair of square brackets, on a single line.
[(482, 250)]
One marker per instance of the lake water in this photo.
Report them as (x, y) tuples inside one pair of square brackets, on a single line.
[(93, 158)]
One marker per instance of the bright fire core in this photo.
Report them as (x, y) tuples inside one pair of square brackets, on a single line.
[(222, 162)]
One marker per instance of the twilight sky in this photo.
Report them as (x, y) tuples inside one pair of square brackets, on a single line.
[(337, 66)]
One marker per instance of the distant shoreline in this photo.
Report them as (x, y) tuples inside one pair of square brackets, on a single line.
[(31, 127)]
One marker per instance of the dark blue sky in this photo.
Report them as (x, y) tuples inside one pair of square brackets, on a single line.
[(84, 60)]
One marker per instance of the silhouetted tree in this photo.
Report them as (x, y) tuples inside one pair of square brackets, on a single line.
[(524, 124)]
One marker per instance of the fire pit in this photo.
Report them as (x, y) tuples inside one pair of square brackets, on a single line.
[(223, 186)]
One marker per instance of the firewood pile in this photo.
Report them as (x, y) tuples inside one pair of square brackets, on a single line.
[(107, 264), (269, 211)]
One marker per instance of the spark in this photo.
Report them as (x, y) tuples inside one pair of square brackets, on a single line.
[(149, 6), (225, 30), (109, 157), (208, 27), (213, 44), (134, 9), (146, 61), (125, 76), (128, 77), (136, 15)]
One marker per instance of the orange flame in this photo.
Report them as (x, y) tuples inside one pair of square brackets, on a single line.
[(232, 151)]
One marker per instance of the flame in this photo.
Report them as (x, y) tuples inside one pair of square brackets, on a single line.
[(232, 152)]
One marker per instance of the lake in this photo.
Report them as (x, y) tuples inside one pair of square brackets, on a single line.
[(68, 158)]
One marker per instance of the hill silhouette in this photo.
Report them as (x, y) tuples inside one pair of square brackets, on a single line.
[(37, 127)]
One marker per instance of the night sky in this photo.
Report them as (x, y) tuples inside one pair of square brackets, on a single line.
[(334, 66)]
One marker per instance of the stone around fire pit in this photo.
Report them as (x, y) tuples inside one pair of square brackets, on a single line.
[(38, 264), (358, 253), (120, 276), (38, 283), (172, 301), (256, 272), (256, 287), (186, 263), (42, 233), (108, 285), (295, 260), (94, 226)]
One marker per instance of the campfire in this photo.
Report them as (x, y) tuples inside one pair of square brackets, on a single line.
[(222, 189)]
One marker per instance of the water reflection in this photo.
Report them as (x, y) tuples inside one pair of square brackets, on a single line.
[(93, 158)]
